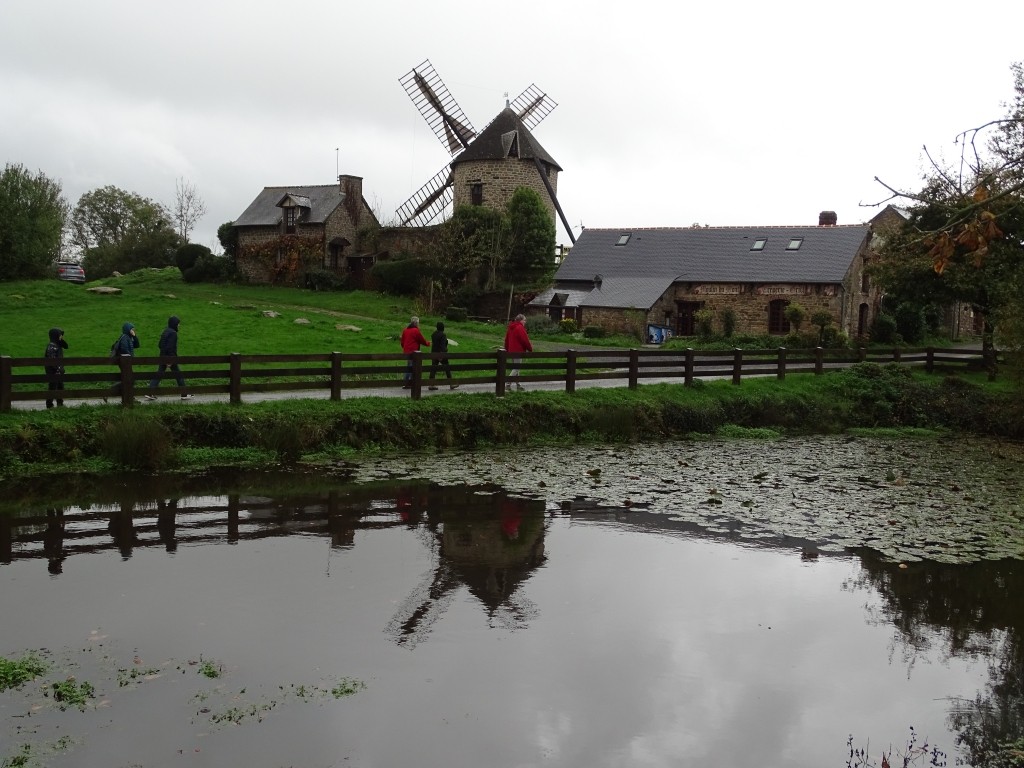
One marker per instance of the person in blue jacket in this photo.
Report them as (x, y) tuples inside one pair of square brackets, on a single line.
[(126, 344), (168, 345), (55, 370)]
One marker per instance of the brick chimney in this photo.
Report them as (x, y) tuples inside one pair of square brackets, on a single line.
[(827, 219)]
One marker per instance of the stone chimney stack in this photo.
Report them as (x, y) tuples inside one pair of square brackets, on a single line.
[(352, 188), (827, 219)]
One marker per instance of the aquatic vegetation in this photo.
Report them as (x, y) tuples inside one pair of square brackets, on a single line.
[(16, 672), (71, 693)]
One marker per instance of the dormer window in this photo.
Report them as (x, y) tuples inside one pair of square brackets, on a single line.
[(291, 217), (759, 244), (623, 239), (794, 244)]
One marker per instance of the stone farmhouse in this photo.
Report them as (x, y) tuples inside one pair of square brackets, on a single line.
[(663, 276), (286, 231)]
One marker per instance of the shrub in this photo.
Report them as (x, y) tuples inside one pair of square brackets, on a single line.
[(324, 280), (910, 323), (541, 324), (188, 254), (594, 332), (728, 319), (399, 277), (134, 441), (286, 439), (456, 314), (208, 269), (705, 321), (795, 315), (567, 325), (883, 329)]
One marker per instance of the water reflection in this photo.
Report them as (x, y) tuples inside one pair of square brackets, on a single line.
[(972, 612), (482, 542)]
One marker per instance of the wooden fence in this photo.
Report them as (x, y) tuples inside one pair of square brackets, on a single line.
[(91, 378)]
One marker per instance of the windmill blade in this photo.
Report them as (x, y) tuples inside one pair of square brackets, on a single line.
[(429, 201), (532, 106), (438, 107)]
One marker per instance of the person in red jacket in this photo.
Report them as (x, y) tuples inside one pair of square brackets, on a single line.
[(412, 340), (516, 342)]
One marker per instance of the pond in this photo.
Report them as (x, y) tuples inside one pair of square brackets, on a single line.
[(740, 603)]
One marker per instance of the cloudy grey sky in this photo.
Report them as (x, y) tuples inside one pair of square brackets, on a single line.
[(669, 113)]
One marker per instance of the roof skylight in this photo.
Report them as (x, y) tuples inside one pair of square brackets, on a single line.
[(759, 244), (623, 239), (794, 244)]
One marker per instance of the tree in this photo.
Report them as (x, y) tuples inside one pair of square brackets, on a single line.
[(963, 241), (33, 213), (189, 208), (123, 231), (795, 314), (531, 255)]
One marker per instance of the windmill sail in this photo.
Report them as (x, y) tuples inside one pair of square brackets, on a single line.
[(532, 106), (428, 202), (438, 107)]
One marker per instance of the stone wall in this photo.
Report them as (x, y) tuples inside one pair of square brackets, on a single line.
[(500, 179)]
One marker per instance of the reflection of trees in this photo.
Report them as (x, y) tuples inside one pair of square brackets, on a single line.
[(972, 610)]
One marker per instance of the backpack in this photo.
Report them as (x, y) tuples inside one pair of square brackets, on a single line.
[(114, 354)]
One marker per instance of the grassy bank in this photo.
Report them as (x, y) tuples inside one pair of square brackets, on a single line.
[(166, 438)]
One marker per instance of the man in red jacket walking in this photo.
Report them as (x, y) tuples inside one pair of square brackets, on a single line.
[(412, 340), (516, 342)]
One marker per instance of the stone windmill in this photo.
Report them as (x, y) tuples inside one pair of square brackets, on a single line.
[(486, 167)]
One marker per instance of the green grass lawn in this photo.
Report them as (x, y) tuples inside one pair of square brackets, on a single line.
[(215, 319)]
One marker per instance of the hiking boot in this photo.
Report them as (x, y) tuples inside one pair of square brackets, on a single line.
[(520, 387), (432, 387), (151, 397), (455, 386), (185, 397)]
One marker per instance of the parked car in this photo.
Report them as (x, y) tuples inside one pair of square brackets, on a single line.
[(70, 271)]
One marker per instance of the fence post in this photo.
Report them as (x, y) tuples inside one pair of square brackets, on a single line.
[(570, 371), (819, 361), (781, 373), (688, 367), (929, 364), (737, 365), (634, 367), (895, 354), (235, 378), (417, 375), (124, 364), (6, 385), (862, 354), (499, 372), (335, 375)]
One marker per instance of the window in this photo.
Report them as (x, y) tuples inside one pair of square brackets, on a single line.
[(794, 244), (759, 244), (623, 239), (778, 325), (291, 215), (865, 283), (476, 194)]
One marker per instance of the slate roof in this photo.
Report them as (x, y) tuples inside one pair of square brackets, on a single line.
[(493, 143), (263, 211), (638, 273)]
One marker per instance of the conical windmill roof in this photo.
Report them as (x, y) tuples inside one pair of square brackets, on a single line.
[(505, 136)]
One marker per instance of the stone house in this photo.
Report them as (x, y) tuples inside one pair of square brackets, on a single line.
[(287, 231), (619, 278)]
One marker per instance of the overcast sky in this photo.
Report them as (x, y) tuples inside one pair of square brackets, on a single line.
[(669, 113)]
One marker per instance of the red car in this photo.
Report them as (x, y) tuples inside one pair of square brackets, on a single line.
[(68, 270)]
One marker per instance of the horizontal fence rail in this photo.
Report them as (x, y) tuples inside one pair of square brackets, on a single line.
[(236, 374)]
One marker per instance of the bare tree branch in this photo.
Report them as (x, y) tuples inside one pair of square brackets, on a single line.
[(189, 208)]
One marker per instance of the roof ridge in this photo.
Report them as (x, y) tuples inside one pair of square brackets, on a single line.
[(725, 226)]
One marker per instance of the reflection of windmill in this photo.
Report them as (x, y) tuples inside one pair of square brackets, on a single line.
[(487, 167), (473, 555)]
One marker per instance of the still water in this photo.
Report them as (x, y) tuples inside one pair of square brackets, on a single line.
[(318, 621)]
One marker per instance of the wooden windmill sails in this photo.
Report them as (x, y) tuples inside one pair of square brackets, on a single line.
[(455, 132)]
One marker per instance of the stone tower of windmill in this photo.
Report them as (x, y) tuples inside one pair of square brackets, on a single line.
[(486, 167)]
